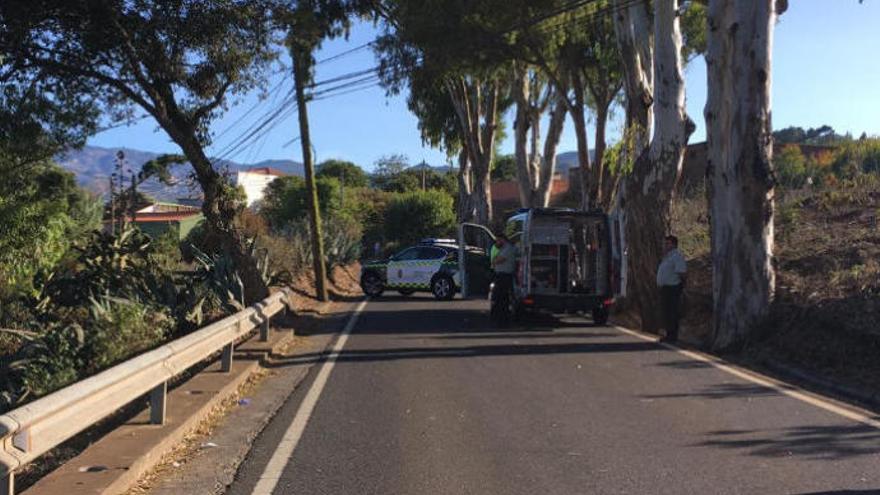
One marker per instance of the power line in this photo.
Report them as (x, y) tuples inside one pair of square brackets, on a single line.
[(365, 79), (345, 53)]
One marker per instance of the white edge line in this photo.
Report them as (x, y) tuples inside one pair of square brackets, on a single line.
[(272, 473), (779, 386)]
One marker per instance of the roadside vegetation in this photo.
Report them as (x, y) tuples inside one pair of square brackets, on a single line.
[(78, 296), (826, 313)]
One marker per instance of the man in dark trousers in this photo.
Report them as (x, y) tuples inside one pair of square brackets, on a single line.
[(504, 264), (671, 275)]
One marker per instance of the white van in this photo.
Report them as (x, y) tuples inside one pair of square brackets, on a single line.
[(565, 261)]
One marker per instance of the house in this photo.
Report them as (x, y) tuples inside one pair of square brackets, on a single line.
[(255, 180), (159, 218), (505, 194)]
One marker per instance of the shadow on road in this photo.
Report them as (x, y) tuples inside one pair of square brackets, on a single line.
[(721, 391), (369, 355), (528, 334), (814, 442)]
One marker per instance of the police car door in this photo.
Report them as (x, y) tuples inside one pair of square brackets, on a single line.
[(429, 262), (401, 268)]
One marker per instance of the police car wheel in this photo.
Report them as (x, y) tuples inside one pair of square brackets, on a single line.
[(372, 285), (443, 288)]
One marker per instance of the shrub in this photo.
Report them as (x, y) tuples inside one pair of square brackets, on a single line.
[(791, 166), (121, 328), (416, 215), (343, 171), (857, 157), (286, 199)]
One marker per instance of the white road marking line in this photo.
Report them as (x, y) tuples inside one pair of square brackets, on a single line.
[(272, 474), (771, 383)]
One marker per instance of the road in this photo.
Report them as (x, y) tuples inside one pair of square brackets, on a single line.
[(426, 397)]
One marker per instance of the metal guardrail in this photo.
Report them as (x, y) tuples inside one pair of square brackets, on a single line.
[(30, 431)]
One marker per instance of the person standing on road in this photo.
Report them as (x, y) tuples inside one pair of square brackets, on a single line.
[(671, 276), (504, 264)]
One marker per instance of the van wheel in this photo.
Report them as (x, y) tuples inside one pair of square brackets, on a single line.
[(443, 288), (600, 316), (372, 284)]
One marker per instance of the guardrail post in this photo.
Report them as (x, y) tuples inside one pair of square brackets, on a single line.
[(264, 329), (226, 360), (157, 403), (7, 484)]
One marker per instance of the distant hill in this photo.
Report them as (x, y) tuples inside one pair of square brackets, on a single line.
[(569, 159), (93, 166), (440, 169)]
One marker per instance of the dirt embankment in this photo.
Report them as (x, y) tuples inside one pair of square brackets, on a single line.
[(826, 316)]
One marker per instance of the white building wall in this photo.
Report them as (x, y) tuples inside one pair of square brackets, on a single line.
[(254, 185)]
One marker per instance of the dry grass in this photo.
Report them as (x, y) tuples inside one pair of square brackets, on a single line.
[(826, 317), (194, 441)]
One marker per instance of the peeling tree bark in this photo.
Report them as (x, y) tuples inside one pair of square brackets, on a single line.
[(477, 115), (632, 27), (536, 167), (465, 211), (650, 187), (740, 171)]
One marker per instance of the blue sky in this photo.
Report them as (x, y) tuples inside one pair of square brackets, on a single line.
[(824, 72)]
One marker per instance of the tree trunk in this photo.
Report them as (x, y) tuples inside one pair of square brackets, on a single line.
[(740, 171), (465, 189), (599, 165), (220, 208), (651, 184), (477, 118), (300, 72), (632, 29), (583, 145), (555, 127), (535, 168)]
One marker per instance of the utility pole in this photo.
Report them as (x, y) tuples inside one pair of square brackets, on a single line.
[(300, 76)]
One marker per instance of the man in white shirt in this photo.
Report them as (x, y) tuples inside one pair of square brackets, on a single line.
[(671, 275)]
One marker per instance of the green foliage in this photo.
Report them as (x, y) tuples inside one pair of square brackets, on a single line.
[(43, 365), (416, 215), (791, 166), (119, 329), (504, 168), (347, 173), (822, 135), (286, 198), (113, 330), (42, 212), (857, 157), (108, 263), (694, 29)]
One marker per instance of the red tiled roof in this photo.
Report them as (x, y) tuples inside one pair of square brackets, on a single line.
[(265, 171), (508, 191)]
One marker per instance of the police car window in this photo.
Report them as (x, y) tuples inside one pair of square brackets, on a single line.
[(407, 255), (429, 253)]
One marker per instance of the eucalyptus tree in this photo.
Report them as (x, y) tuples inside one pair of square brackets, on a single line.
[(655, 94), (431, 48), (536, 164), (592, 57), (739, 140), (180, 61)]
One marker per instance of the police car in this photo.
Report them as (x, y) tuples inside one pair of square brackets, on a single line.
[(430, 266)]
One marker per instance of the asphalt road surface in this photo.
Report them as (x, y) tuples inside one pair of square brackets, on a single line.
[(426, 397)]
